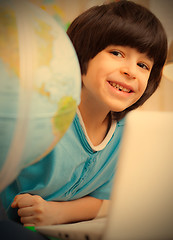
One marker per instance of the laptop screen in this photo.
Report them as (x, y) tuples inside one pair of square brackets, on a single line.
[(142, 196)]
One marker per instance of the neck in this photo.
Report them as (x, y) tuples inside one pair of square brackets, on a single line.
[(96, 120)]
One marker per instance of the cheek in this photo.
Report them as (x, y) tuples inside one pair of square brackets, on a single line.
[(143, 84), (88, 80)]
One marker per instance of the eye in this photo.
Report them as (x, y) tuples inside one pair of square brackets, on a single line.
[(144, 66), (117, 53)]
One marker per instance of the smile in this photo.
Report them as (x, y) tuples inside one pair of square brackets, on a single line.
[(119, 87)]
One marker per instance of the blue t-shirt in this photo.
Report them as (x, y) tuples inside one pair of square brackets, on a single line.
[(71, 170)]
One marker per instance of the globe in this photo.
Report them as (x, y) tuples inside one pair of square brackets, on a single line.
[(56, 9), (39, 86)]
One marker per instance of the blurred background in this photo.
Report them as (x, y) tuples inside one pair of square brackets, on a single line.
[(162, 99)]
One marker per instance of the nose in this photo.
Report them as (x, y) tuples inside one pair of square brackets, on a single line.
[(129, 72)]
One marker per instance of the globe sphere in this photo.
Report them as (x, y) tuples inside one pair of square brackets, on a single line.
[(39, 86)]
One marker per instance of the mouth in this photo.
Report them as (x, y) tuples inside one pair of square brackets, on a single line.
[(120, 88)]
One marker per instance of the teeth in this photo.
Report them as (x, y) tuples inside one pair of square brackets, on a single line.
[(117, 86)]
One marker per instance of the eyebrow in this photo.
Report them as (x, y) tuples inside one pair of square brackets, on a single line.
[(150, 59)]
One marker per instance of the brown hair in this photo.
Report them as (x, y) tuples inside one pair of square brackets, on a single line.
[(122, 23)]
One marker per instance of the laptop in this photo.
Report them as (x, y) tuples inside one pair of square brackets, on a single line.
[(141, 206)]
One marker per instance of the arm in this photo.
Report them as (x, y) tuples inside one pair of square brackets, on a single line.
[(35, 211)]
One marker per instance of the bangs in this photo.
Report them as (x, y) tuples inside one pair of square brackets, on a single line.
[(136, 29), (122, 23)]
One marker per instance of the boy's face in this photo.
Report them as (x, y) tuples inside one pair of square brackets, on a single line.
[(117, 77)]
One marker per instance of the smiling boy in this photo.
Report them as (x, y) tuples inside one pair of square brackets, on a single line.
[(122, 48)]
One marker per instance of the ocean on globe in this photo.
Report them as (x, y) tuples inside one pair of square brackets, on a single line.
[(39, 86)]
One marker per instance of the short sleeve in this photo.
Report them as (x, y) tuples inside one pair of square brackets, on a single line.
[(104, 191)]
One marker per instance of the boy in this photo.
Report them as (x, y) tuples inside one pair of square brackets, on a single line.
[(122, 48)]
